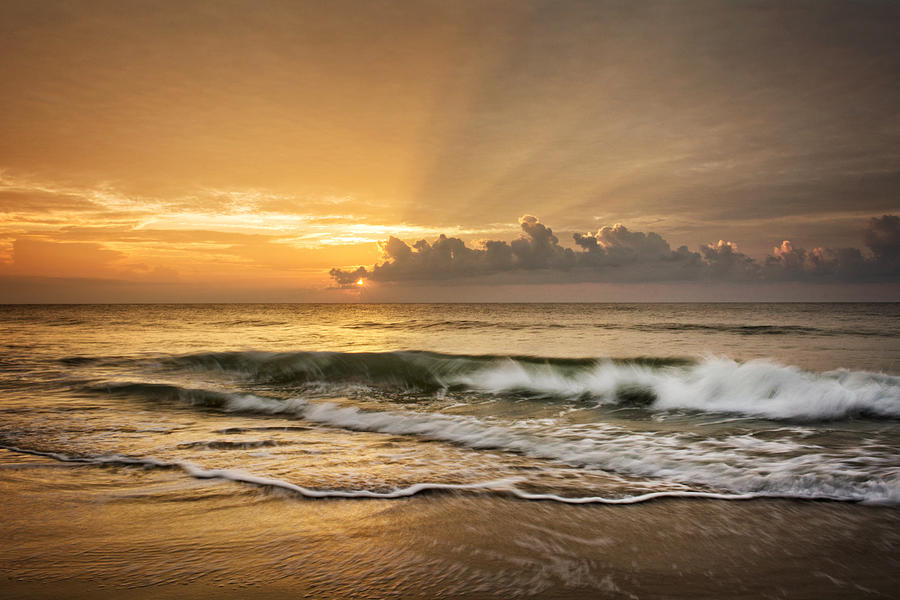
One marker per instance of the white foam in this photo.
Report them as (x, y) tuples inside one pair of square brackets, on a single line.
[(754, 388), (737, 464), (505, 486)]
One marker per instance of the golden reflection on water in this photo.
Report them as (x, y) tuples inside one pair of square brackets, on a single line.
[(558, 330)]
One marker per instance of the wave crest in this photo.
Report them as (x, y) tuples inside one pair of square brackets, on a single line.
[(755, 388)]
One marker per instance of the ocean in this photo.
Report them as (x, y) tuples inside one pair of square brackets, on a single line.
[(450, 450)]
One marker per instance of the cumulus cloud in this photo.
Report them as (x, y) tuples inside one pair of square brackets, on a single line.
[(723, 260), (882, 239), (617, 254)]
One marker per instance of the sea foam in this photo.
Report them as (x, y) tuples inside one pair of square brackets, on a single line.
[(783, 466)]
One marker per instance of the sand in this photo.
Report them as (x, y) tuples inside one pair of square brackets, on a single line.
[(140, 534)]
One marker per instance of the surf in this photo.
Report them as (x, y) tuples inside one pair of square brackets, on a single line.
[(756, 388)]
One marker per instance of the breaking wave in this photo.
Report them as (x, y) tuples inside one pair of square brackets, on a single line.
[(755, 388), (736, 464)]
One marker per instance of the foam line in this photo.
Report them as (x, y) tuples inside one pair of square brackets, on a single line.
[(503, 486)]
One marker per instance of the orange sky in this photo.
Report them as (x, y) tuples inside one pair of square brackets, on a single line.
[(248, 146)]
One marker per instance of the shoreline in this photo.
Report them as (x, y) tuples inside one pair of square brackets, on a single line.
[(157, 535)]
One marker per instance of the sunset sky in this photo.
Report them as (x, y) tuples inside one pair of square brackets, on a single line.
[(265, 151)]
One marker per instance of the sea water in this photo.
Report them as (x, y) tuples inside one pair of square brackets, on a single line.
[(596, 404)]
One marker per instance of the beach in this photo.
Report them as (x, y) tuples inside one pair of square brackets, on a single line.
[(156, 535)]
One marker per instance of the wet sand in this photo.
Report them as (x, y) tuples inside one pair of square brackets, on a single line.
[(83, 531)]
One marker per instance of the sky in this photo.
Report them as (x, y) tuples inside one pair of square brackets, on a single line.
[(482, 150)]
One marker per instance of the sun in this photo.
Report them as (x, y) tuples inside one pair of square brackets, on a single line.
[(359, 282)]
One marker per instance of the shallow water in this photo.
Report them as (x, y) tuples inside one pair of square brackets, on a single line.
[(571, 404)]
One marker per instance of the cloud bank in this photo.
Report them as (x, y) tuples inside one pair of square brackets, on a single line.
[(617, 254)]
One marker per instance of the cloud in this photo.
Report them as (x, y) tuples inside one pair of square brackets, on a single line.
[(45, 258), (617, 254), (722, 260), (883, 238), (348, 278), (37, 258), (449, 257), (14, 201)]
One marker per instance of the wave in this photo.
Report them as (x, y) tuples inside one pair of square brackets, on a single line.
[(505, 486), (747, 329), (730, 328), (456, 324), (229, 445), (167, 392), (755, 388), (406, 370), (738, 464)]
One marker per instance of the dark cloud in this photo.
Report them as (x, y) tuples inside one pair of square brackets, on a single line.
[(617, 254), (883, 238), (348, 278), (722, 260)]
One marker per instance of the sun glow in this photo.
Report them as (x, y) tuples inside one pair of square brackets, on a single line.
[(359, 282)]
